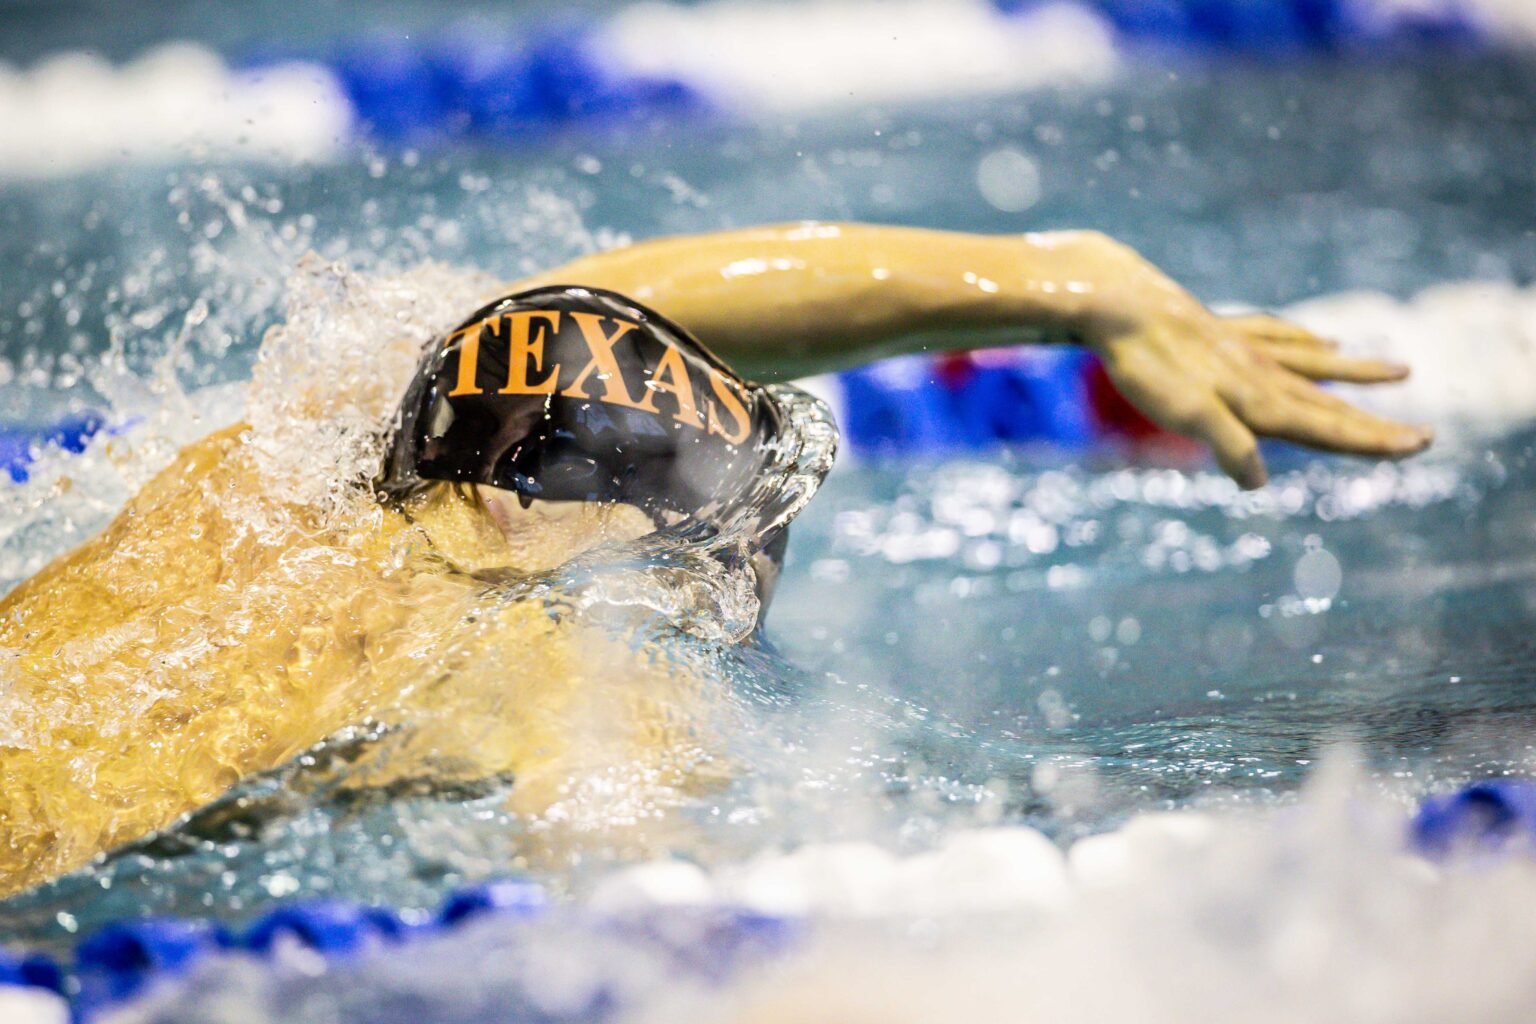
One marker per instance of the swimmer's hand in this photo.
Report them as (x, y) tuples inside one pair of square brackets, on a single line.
[(1223, 380)]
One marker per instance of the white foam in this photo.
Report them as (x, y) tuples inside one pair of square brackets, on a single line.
[(1131, 855), (1471, 346), (974, 871), (995, 870), (1515, 19), (330, 376), (1312, 911), (659, 883), (73, 112), (32, 1006), (823, 53), (851, 878)]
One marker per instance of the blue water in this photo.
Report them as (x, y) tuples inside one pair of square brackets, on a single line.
[(1166, 640), (1017, 632)]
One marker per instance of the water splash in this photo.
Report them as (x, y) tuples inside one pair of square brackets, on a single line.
[(253, 561), (699, 576)]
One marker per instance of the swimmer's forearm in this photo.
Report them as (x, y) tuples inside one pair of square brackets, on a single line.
[(794, 299), (787, 300)]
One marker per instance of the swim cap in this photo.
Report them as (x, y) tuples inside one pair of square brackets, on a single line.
[(567, 393)]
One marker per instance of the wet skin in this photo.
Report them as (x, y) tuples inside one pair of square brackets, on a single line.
[(182, 649), (787, 300)]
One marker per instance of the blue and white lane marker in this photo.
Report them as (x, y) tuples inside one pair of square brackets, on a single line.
[(767, 58), (122, 961), (697, 940), (72, 111), (923, 405)]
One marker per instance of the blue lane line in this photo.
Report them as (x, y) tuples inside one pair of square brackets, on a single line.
[(1494, 817), (1280, 26), (478, 84)]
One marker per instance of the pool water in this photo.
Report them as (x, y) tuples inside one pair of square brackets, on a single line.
[(1055, 637), (1173, 635)]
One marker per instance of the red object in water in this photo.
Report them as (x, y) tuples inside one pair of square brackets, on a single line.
[(1113, 411), (1115, 415), (953, 369)]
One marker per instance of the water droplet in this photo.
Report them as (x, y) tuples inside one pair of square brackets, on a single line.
[(1318, 575), (1009, 179)]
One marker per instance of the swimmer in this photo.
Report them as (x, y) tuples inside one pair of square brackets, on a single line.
[(225, 623)]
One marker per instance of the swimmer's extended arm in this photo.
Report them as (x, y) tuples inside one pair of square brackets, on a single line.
[(793, 299)]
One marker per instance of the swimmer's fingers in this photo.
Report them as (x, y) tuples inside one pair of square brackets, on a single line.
[(1224, 394), (1322, 364), (1235, 447), (1306, 415), (1299, 350), (1173, 400), (1265, 329)]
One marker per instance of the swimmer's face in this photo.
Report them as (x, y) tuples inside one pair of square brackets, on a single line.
[(542, 535), (479, 528)]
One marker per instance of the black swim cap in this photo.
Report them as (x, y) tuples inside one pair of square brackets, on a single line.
[(567, 393)]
